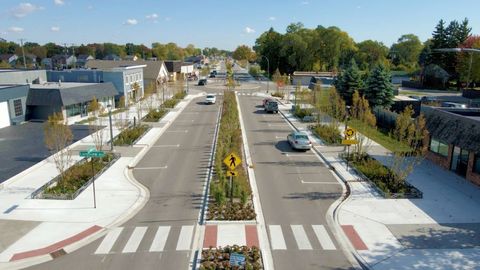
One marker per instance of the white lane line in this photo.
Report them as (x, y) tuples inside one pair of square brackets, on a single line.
[(160, 239), (190, 113), (135, 239), (277, 125), (301, 237), (299, 155), (150, 168), (280, 137), (166, 145), (109, 241), (322, 235), (276, 237), (319, 183), (177, 131), (185, 238)]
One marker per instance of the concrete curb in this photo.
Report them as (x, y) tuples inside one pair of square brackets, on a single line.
[(332, 213)]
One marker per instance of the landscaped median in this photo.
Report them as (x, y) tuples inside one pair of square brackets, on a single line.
[(229, 202), (213, 259)]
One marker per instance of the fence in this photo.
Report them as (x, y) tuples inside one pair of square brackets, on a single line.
[(385, 118)]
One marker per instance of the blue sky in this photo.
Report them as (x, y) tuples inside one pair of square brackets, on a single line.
[(222, 24)]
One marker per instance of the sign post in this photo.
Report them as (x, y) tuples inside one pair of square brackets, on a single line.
[(232, 161), (349, 134), (92, 153)]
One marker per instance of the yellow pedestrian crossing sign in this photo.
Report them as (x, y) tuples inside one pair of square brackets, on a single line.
[(232, 173), (349, 133), (232, 161)]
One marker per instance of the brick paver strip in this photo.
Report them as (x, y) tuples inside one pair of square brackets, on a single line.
[(56, 246), (210, 236), (251, 235), (355, 239)]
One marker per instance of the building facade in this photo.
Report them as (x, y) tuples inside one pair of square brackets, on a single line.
[(12, 104)]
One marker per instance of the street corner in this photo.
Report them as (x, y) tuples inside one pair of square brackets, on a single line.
[(221, 235)]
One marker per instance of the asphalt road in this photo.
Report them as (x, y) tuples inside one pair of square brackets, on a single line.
[(174, 171), (295, 191)]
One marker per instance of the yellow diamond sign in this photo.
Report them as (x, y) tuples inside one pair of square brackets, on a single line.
[(349, 133), (232, 161), (232, 173)]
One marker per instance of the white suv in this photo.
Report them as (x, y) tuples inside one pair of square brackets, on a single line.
[(210, 99)]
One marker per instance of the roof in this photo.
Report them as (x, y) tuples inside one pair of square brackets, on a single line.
[(53, 94), (450, 126), (112, 57), (6, 57), (173, 66), (150, 72), (84, 57), (313, 74)]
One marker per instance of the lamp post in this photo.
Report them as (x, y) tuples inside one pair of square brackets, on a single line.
[(470, 50), (109, 107), (268, 71)]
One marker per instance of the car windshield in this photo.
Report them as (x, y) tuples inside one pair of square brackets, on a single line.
[(301, 137), (210, 96)]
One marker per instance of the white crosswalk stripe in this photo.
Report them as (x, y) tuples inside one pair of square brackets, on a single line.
[(109, 241), (301, 237), (185, 238), (135, 239), (302, 241), (160, 239)]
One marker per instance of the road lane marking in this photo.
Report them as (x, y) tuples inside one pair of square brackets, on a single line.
[(301, 237), (323, 237), (150, 168), (135, 239), (279, 137), (276, 238), (177, 131), (185, 238), (109, 241), (160, 239), (166, 145), (277, 125), (320, 183)]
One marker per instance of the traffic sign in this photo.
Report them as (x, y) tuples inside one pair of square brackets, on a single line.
[(92, 153), (349, 133), (232, 161), (232, 173), (349, 142), (237, 259)]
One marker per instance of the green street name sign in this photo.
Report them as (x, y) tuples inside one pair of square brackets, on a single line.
[(92, 153)]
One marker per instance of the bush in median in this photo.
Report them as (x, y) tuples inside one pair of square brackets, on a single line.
[(328, 133), (130, 135)]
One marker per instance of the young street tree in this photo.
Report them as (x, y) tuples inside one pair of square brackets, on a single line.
[(58, 137), (95, 124), (379, 88), (360, 111)]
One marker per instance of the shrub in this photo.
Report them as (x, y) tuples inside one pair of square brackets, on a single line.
[(300, 113), (220, 258), (180, 95), (278, 94), (328, 133), (154, 115), (170, 103), (130, 135)]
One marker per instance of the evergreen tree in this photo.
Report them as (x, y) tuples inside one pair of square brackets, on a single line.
[(439, 41), (348, 81), (379, 89)]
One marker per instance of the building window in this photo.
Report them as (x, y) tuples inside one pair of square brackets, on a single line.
[(74, 109), (476, 164), (439, 147), (17, 106)]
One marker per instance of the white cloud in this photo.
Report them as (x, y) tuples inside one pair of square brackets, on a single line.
[(305, 3), (59, 2), (271, 18), (152, 16), (131, 22), (24, 9), (249, 30), (15, 29), (55, 28)]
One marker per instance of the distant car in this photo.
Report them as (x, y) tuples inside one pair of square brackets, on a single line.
[(271, 106), (265, 101), (415, 97), (429, 99), (453, 105), (210, 99), (202, 82), (298, 140), (212, 75)]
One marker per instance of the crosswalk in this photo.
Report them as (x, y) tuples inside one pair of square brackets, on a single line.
[(146, 239), (317, 235)]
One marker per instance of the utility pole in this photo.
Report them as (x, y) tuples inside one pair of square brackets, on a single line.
[(23, 53)]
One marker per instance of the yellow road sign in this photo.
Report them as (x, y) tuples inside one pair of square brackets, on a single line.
[(349, 133), (232, 161), (348, 142), (232, 173)]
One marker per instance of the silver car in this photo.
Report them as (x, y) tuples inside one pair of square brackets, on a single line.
[(299, 140)]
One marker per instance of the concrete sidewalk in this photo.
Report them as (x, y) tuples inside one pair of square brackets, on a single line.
[(440, 231), (36, 230)]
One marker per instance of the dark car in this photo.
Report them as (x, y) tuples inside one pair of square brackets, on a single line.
[(271, 106), (265, 101), (202, 82)]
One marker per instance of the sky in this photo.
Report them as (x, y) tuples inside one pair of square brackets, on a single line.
[(223, 24)]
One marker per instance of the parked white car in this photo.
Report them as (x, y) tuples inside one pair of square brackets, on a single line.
[(210, 99)]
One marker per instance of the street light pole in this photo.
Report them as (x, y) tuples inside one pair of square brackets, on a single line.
[(268, 72), (111, 129)]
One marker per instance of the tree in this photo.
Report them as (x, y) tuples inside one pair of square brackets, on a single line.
[(336, 108), (379, 88), (413, 134), (406, 51), (58, 137), (370, 53), (95, 123), (94, 106), (269, 45), (468, 66), (360, 110), (349, 81), (243, 52)]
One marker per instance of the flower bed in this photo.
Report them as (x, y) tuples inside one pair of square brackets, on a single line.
[(221, 206), (170, 103), (387, 183), (77, 178), (130, 135), (154, 115), (213, 259), (329, 134)]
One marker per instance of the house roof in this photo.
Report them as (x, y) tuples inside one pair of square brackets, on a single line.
[(53, 94), (150, 72), (173, 66), (5, 57), (112, 57), (84, 56), (451, 127)]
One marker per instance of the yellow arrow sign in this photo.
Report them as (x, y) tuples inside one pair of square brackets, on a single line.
[(232, 173), (349, 133), (232, 161)]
